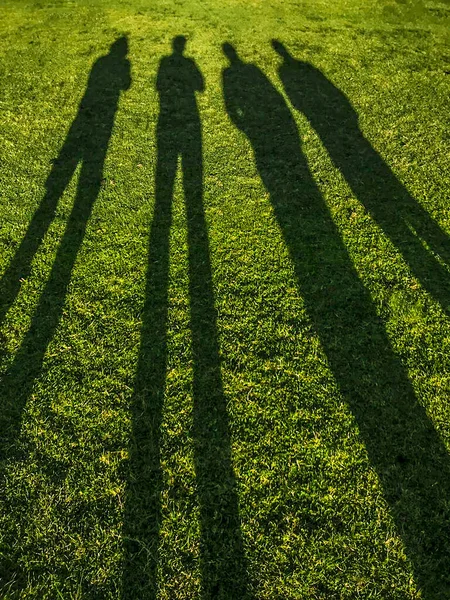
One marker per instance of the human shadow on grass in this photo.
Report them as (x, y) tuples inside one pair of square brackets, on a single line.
[(86, 143), (408, 225), (222, 565), (411, 460)]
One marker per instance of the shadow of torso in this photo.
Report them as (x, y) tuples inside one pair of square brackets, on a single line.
[(90, 132), (177, 81)]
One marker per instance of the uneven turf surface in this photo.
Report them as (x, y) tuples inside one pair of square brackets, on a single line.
[(228, 379)]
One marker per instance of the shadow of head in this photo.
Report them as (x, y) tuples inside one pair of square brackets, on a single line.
[(281, 49), (120, 47), (179, 44), (230, 52)]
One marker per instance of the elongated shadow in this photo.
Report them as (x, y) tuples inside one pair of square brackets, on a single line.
[(411, 229), (222, 557), (86, 142), (411, 461)]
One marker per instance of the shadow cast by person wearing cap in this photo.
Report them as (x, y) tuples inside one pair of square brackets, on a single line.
[(86, 143), (222, 564), (421, 241), (410, 459)]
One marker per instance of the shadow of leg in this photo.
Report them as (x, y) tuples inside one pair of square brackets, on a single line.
[(223, 565), (142, 519), (20, 265), (17, 383)]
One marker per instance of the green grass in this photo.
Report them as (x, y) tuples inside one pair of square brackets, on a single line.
[(244, 395)]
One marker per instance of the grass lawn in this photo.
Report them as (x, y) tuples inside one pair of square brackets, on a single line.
[(224, 299)]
